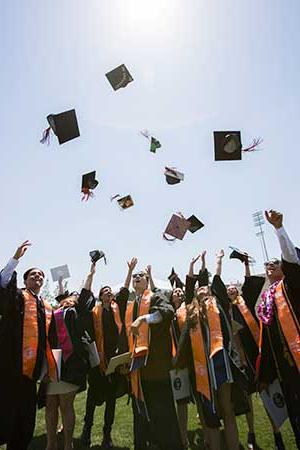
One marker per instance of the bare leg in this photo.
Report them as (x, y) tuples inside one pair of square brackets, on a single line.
[(230, 425), (182, 413), (51, 418), (66, 402)]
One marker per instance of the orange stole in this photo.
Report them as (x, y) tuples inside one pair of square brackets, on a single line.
[(98, 329), (214, 323), (249, 319), (138, 345), (200, 362), (31, 336), (288, 322), (181, 318)]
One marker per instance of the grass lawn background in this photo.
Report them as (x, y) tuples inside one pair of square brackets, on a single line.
[(123, 436)]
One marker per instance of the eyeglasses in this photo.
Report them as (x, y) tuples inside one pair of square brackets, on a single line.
[(138, 275)]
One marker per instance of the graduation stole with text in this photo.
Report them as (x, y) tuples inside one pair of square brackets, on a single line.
[(214, 324), (181, 319), (98, 329), (200, 361), (31, 337), (288, 322), (138, 345), (252, 324)]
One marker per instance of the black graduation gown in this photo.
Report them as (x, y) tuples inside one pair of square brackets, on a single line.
[(104, 387), (12, 381)]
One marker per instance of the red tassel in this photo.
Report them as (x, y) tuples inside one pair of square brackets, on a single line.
[(46, 136), (254, 145), (86, 194)]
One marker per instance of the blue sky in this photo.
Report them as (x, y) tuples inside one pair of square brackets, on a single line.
[(198, 66)]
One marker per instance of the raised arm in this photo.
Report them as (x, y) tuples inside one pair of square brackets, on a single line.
[(90, 276), (192, 265), (131, 266), (148, 271), (8, 270), (61, 289), (247, 268), (203, 261), (288, 250), (220, 256)]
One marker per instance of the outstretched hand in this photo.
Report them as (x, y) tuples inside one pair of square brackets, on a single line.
[(221, 254), (132, 264), (275, 218), (194, 260), (21, 250), (148, 270)]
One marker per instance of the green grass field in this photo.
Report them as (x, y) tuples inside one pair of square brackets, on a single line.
[(122, 432)]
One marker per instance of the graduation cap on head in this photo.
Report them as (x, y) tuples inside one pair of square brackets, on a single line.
[(174, 279), (173, 176), (228, 145), (124, 202), (177, 228), (119, 77), (63, 125), (195, 224), (242, 256), (96, 255), (89, 183)]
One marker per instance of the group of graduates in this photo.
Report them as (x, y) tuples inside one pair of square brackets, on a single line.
[(231, 342)]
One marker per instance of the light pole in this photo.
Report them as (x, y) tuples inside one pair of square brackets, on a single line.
[(258, 219)]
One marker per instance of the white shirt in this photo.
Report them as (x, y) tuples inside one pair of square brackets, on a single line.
[(7, 272), (288, 251)]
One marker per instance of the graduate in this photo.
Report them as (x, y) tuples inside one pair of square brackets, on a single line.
[(206, 343), (68, 340), (105, 325), (279, 314), (148, 321), (26, 325), (243, 315)]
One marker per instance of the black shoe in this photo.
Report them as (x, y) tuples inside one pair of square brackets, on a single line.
[(279, 445), (85, 437), (107, 442)]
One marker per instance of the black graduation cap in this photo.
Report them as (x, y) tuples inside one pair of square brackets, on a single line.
[(89, 183), (96, 255), (154, 144), (63, 125), (228, 145), (173, 176), (195, 224), (242, 256), (119, 77)]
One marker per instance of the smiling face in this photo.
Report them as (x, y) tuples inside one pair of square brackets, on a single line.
[(232, 292), (273, 270), (140, 282), (177, 297), (106, 295), (34, 280)]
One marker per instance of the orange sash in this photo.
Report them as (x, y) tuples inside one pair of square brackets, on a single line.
[(200, 362), (288, 323), (98, 329), (214, 324), (31, 337), (248, 317), (181, 318), (138, 345)]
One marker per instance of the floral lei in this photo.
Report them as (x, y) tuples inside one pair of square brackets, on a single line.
[(265, 310)]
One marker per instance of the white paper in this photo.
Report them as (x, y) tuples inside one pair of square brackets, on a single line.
[(60, 271), (57, 353), (180, 383), (116, 361), (94, 358), (275, 404)]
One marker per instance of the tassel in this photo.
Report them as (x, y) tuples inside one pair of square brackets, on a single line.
[(254, 145), (46, 136), (86, 194)]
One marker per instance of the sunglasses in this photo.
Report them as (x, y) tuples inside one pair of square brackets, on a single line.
[(138, 275), (273, 262)]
